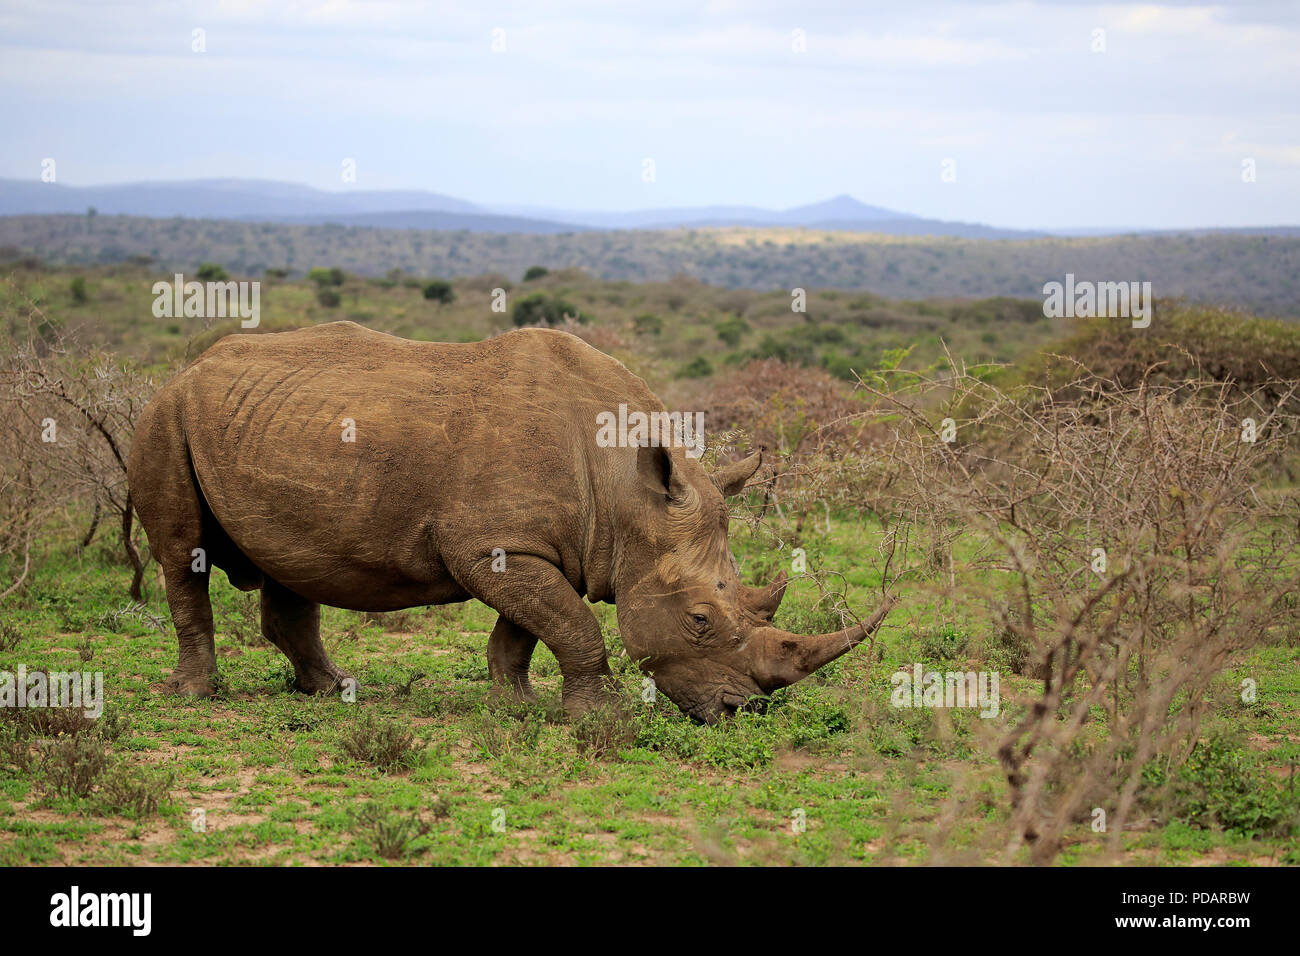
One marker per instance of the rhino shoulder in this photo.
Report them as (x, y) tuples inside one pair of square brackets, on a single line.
[(333, 334)]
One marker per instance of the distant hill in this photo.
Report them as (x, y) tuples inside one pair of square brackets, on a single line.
[(1208, 231), (914, 226), (215, 199), (269, 201), (430, 220), (841, 209), (258, 200), (1258, 272), (842, 213)]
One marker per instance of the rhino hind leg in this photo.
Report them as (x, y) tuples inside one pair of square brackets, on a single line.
[(292, 624), (510, 651), (165, 494), (196, 666)]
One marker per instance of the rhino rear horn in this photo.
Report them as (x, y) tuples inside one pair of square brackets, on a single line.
[(731, 478), (764, 602)]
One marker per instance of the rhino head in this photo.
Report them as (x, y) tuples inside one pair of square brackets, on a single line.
[(683, 614)]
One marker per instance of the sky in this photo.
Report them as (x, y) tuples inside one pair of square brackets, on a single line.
[(1016, 114)]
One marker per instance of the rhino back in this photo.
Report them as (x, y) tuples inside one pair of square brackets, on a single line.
[(457, 448)]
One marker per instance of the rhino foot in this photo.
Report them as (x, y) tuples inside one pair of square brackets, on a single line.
[(522, 693), (324, 680), (190, 685), (589, 696)]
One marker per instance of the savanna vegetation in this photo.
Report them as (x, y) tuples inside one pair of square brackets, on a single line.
[(1104, 517), (1252, 271)]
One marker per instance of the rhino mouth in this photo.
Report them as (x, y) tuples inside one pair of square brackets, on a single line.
[(725, 703)]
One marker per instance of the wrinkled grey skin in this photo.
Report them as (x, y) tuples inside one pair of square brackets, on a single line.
[(462, 454)]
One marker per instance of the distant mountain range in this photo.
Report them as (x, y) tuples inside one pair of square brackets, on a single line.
[(214, 199), (268, 201), (840, 209), (257, 200)]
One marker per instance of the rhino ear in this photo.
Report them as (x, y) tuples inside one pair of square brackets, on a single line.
[(731, 479), (662, 473)]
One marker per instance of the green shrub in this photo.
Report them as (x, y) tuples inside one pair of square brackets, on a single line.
[(822, 334), (732, 329), (392, 835), (539, 307), (440, 291), (72, 766), (605, 731), (698, 367), (842, 366), (502, 732), (133, 792), (1223, 784), (327, 277), (793, 348), (648, 324), (947, 642), (15, 746), (211, 272), (383, 744), (10, 636)]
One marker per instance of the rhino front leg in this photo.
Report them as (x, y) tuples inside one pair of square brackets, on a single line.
[(510, 651), (535, 598), (292, 624)]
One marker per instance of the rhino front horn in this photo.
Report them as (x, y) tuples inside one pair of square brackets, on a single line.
[(782, 658)]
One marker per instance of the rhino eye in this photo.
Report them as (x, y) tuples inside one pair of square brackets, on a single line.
[(699, 619)]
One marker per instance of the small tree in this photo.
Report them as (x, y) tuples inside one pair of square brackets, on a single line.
[(323, 277), (440, 291), (539, 307), (72, 418), (698, 367), (535, 272), (211, 272), (731, 329), (1126, 543), (648, 324)]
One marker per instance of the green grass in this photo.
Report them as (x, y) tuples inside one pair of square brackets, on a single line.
[(488, 783)]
